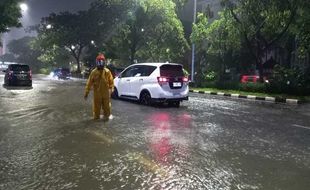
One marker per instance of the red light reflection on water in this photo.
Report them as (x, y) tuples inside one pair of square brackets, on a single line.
[(163, 142)]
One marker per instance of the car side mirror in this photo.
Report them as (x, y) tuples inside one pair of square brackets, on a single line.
[(4, 71)]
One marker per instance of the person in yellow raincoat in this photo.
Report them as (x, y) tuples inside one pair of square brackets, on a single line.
[(101, 81)]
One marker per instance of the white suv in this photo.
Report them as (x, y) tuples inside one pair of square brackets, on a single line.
[(153, 83)]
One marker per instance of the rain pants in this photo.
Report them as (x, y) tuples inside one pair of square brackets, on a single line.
[(101, 81)]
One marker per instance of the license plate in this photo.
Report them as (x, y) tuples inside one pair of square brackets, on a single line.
[(21, 77), (177, 84)]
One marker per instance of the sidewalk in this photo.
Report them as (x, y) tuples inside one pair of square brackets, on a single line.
[(260, 98)]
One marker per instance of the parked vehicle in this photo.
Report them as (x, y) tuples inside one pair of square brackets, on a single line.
[(3, 67), (251, 79), (62, 73), (153, 83), (18, 74)]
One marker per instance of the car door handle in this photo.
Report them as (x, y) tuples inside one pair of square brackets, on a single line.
[(128, 80), (141, 80)]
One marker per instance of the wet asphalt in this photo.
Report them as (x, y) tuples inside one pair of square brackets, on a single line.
[(48, 140)]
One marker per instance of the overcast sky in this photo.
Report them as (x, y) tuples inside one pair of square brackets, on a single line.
[(41, 8)]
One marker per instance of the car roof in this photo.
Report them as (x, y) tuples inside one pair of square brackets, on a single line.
[(156, 64), (18, 64)]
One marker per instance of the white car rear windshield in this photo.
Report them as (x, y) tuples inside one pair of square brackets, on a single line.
[(171, 71)]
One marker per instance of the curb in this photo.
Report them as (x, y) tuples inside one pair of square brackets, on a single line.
[(251, 97)]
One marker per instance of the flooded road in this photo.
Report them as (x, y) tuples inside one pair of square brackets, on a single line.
[(48, 140)]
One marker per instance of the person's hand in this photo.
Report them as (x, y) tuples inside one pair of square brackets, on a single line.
[(85, 96), (111, 91)]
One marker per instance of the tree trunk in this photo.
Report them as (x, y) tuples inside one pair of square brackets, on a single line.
[(78, 65), (132, 55)]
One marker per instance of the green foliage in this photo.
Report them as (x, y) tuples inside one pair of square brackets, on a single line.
[(262, 24), (23, 52), (301, 30), (218, 37), (179, 5), (290, 81), (152, 32), (252, 87), (9, 14), (77, 32), (245, 33), (218, 44), (210, 76), (45, 71)]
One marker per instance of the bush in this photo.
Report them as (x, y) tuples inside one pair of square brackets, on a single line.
[(44, 71), (227, 85), (252, 87), (289, 80)]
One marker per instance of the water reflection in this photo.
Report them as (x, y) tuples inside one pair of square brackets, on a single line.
[(17, 88), (168, 136)]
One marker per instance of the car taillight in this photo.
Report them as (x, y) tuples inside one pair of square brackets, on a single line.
[(30, 73), (162, 80), (10, 74), (185, 79), (244, 79)]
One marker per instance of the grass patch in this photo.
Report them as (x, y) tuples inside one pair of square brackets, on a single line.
[(260, 94)]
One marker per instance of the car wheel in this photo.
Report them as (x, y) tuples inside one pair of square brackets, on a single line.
[(115, 94), (174, 104), (145, 98)]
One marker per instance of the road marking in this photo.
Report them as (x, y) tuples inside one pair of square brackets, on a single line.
[(272, 99), (292, 101), (251, 97), (220, 93), (300, 126), (234, 95)]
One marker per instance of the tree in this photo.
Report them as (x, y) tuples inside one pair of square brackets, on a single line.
[(152, 32), (23, 52), (7, 58), (9, 14), (75, 32), (218, 43), (53, 56), (262, 23), (300, 29), (65, 30)]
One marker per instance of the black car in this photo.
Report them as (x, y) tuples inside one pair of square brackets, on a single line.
[(62, 73), (18, 74)]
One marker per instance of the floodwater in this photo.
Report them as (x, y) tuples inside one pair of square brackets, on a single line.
[(48, 140)]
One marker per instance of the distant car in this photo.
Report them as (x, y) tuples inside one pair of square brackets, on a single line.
[(3, 67), (62, 73), (251, 79), (153, 83), (18, 74)]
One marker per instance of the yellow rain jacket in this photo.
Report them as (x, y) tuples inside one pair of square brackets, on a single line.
[(101, 81)]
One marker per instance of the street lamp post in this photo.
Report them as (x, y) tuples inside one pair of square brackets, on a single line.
[(193, 45)]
